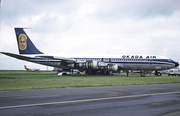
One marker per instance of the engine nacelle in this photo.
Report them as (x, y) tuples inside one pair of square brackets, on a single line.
[(86, 65), (113, 67), (92, 64), (80, 64), (71, 65)]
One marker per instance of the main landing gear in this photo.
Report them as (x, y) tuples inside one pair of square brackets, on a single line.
[(157, 73)]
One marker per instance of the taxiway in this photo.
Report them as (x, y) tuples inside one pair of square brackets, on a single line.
[(140, 100)]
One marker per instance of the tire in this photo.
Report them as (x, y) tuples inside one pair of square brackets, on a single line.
[(159, 74)]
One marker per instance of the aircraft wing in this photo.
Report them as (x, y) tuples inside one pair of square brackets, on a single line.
[(68, 60), (21, 57)]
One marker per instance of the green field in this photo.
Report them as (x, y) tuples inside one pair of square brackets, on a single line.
[(23, 80)]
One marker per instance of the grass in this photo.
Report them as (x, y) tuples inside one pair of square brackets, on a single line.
[(23, 80)]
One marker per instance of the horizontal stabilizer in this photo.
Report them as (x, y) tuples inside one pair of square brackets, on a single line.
[(16, 56)]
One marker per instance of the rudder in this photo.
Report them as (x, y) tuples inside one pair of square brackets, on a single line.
[(25, 45)]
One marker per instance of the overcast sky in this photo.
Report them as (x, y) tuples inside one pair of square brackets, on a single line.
[(91, 27)]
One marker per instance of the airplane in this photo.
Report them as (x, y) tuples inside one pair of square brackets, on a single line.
[(31, 69), (91, 66)]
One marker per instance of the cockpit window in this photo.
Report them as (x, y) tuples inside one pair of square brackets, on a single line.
[(171, 60)]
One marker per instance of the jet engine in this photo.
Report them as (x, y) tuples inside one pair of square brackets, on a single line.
[(94, 66), (88, 64), (112, 67)]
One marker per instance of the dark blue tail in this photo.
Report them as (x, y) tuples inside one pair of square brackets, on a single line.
[(25, 45)]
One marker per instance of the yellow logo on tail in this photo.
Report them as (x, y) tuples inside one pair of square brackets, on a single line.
[(22, 41)]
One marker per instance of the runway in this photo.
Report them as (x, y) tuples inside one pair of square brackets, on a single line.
[(140, 100)]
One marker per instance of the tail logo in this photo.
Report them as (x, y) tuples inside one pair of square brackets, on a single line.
[(22, 41)]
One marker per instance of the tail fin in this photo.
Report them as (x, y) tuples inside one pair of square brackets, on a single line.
[(25, 45)]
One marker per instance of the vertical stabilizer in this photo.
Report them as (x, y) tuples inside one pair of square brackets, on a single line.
[(25, 67), (25, 45)]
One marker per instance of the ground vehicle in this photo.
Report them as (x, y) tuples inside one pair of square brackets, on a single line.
[(174, 72)]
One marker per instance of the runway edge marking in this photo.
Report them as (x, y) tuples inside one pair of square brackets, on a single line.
[(86, 100)]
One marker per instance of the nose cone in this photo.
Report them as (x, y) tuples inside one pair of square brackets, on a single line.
[(176, 64)]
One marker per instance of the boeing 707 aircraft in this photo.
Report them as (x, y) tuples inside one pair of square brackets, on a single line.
[(91, 66), (31, 69)]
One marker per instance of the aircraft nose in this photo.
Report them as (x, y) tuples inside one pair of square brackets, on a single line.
[(176, 64)]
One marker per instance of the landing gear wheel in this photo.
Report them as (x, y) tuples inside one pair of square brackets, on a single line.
[(157, 73)]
